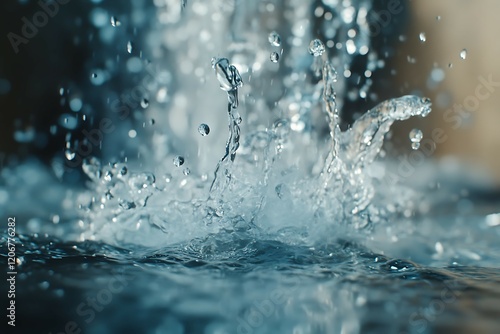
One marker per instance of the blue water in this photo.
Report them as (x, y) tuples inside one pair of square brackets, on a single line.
[(283, 224), (237, 283)]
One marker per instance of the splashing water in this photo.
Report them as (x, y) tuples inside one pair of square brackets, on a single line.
[(229, 80), (291, 205)]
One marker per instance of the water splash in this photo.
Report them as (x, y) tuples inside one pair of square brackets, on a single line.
[(283, 159)]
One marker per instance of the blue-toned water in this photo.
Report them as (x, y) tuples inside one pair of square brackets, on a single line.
[(230, 198)]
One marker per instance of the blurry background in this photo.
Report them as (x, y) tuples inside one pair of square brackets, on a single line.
[(469, 115), (55, 78)]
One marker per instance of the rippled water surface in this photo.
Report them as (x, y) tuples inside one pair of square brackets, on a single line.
[(235, 282)]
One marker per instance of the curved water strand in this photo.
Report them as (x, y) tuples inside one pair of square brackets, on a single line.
[(363, 142), (365, 139), (230, 80), (333, 163)]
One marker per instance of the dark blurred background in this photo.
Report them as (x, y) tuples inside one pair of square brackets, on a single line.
[(38, 81)]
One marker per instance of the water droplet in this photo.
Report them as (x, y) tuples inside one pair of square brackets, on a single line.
[(422, 37), (439, 248), (450, 65), (124, 170), (70, 155), (316, 47), (275, 57), (228, 76), (438, 18), (178, 161), (415, 137), (274, 38), (130, 47), (108, 176), (115, 22), (186, 171), (145, 103), (463, 54), (93, 75), (204, 129)]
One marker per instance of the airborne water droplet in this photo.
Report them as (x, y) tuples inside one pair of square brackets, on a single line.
[(70, 155), (274, 38), (275, 57), (144, 103), (130, 47), (463, 54), (422, 37), (115, 22), (415, 137), (186, 171), (316, 47), (204, 129), (108, 176), (228, 75), (178, 161)]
